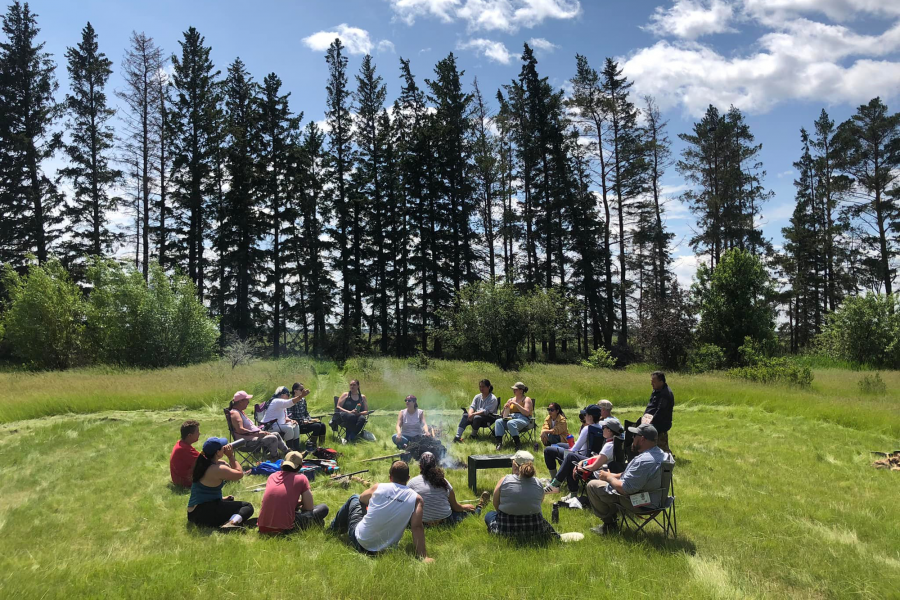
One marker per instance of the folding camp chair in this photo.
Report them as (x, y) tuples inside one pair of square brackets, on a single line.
[(337, 424), (638, 517), (527, 433), (489, 426), (246, 456)]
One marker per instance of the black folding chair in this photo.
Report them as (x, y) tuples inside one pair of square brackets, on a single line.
[(527, 433), (248, 454), (338, 428), (636, 518)]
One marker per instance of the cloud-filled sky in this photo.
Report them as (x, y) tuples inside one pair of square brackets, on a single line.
[(781, 61)]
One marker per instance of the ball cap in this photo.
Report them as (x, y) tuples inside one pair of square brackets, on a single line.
[(294, 459), (645, 430), (213, 445), (613, 424), (520, 386), (241, 395), (593, 410), (522, 457)]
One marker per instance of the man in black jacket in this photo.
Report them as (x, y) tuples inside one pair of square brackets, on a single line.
[(659, 410)]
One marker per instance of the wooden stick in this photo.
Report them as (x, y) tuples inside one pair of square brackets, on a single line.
[(399, 454), (336, 477)]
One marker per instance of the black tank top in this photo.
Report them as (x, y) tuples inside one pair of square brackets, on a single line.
[(350, 403)]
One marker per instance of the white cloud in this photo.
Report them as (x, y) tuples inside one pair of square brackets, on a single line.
[(542, 44), (788, 173), (356, 40), (488, 15), (690, 19), (495, 51), (685, 267), (773, 11), (386, 46)]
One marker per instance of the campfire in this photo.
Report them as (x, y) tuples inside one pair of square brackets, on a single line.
[(889, 461)]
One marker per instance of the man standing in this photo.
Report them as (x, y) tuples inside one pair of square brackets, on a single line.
[(643, 474), (482, 412), (376, 519), (659, 410), (183, 457)]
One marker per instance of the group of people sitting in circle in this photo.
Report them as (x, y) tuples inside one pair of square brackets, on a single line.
[(376, 519)]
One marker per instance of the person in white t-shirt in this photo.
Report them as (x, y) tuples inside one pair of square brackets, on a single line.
[(611, 429), (391, 507), (276, 416)]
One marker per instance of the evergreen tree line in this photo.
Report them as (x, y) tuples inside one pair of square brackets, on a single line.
[(364, 234)]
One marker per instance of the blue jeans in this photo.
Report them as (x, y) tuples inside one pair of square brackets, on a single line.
[(347, 518), (401, 441), (517, 424), (490, 519)]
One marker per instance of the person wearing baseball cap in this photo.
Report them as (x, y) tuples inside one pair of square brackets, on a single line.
[(245, 429), (410, 424), (612, 429), (643, 473), (517, 503), (287, 503), (569, 458), (206, 506), (516, 414)]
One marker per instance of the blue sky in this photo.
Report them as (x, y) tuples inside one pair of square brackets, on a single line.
[(781, 61)]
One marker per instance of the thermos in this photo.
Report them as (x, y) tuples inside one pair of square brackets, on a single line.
[(571, 439)]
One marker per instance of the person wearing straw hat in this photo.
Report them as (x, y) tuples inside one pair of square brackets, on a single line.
[(516, 416), (287, 503), (517, 503), (206, 505)]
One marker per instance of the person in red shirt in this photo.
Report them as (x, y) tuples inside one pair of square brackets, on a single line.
[(287, 503), (183, 457)]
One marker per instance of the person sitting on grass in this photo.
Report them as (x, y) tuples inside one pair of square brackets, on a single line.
[(352, 411), (244, 429), (516, 416), (376, 519), (569, 458), (555, 428), (441, 507), (206, 505), (300, 413), (276, 415), (643, 473), (410, 424), (287, 503), (183, 457), (611, 429), (482, 412), (517, 503)]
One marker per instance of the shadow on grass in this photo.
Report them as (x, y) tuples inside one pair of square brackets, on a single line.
[(178, 490), (660, 543)]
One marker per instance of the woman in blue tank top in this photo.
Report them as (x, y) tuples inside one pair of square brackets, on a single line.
[(206, 506)]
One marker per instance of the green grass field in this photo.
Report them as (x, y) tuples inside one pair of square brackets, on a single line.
[(776, 495)]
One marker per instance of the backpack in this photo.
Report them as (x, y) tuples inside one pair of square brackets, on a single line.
[(266, 468), (325, 453)]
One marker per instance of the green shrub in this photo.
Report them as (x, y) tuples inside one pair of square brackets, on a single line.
[(419, 362), (775, 370), (601, 358), (864, 330), (707, 357), (359, 364), (45, 321), (872, 384)]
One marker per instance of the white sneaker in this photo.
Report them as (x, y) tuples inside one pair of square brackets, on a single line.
[(566, 497)]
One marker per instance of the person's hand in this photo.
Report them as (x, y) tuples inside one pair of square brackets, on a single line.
[(228, 451), (228, 498), (468, 507), (427, 560)]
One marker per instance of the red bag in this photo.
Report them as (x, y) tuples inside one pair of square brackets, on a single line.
[(325, 453)]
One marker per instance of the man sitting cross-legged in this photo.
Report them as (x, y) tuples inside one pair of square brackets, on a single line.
[(643, 473), (391, 506)]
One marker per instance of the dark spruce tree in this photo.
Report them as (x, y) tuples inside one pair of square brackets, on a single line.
[(91, 140), (29, 200), (658, 159), (193, 131), (486, 159)]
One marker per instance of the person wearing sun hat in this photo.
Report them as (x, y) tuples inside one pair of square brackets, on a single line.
[(287, 503), (517, 413), (245, 429), (206, 505), (517, 503)]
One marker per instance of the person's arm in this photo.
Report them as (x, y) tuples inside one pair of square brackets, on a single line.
[(496, 498), (472, 411), (561, 426), (582, 440), (340, 404), (399, 421), (232, 471), (545, 428), (239, 429), (456, 506), (364, 405), (306, 501), (424, 425), (367, 495), (598, 462), (527, 408), (418, 530)]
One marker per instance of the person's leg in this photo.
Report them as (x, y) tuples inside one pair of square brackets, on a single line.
[(553, 455), (400, 441), (478, 422), (280, 446), (342, 517), (490, 519), (308, 518), (463, 423), (554, 439), (662, 441), (351, 424), (603, 504), (456, 518), (210, 514)]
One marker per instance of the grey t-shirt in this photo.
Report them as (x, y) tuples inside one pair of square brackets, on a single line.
[(436, 500), (644, 472), (520, 496), (489, 404)]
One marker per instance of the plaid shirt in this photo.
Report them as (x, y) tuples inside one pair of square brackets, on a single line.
[(524, 526), (298, 411)]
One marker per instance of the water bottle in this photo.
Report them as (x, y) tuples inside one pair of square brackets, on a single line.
[(554, 514), (571, 439)]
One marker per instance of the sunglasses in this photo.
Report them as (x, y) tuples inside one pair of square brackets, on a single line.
[(412, 401)]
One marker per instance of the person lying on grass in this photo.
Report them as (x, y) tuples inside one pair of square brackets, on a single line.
[(441, 507), (287, 503), (391, 507), (611, 428), (482, 412), (183, 456), (517, 504), (569, 458), (643, 473), (410, 424), (300, 413), (245, 429), (206, 505), (555, 428)]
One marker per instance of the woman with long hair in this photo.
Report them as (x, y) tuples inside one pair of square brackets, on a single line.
[(440, 505), (517, 503), (410, 424), (516, 414), (300, 413), (482, 412), (352, 410), (206, 505), (555, 428)]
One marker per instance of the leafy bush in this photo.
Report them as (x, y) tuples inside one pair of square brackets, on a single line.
[(147, 324), (864, 330), (666, 330), (872, 384), (707, 357), (358, 364), (601, 358), (45, 323), (735, 302), (240, 352), (419, 362), (775, 370)]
